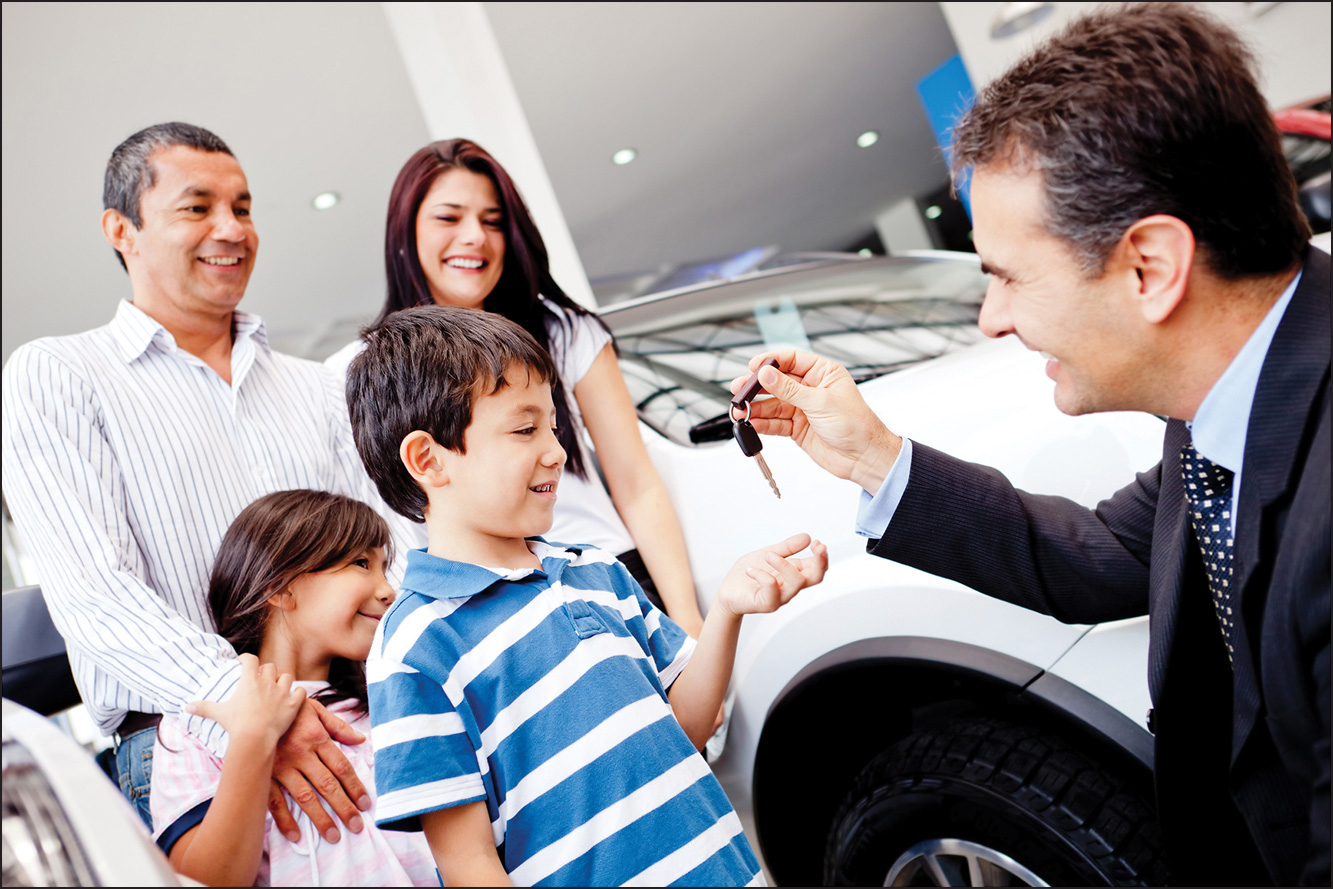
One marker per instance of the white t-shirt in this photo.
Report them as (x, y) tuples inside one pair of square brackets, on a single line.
[(584, 512)]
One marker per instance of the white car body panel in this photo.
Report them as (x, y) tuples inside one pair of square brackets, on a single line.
[(115, 842), (989, 403)]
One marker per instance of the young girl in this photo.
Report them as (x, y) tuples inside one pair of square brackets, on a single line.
[(298, 589)]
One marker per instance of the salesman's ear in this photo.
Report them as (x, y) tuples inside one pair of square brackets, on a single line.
[(423, 457), (1160, 250), (118, 230)]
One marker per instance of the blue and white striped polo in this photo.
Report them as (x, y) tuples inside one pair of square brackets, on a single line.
[(543, 693)]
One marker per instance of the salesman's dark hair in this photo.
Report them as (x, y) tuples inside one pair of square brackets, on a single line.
[(1141, 110), (129, 171), (423, 368)]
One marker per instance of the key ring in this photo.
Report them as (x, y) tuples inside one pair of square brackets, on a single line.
[(731, 412)]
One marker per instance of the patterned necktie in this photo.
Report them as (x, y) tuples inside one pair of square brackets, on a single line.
[(1208, 488)]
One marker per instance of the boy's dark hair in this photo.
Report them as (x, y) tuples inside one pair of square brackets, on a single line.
[(272, 542), (129, 171), (422, 368), (1143, 110)]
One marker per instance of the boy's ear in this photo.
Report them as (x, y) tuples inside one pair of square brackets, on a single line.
[(422, 456)]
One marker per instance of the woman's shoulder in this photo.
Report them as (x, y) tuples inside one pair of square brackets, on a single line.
[(338, 361), (568, 326)]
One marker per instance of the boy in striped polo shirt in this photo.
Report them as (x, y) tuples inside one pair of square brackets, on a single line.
[(531, 711)]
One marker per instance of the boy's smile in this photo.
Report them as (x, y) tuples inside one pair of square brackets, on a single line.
[(502, 488)]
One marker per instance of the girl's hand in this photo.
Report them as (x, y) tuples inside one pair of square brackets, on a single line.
[(766, 579), (262, 707)]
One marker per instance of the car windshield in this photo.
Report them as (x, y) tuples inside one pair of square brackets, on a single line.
[(680, 351)]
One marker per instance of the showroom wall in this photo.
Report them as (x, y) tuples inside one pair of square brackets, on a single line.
[(1290, 40)]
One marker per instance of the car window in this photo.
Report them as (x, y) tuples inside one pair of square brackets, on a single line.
[(679, 353)]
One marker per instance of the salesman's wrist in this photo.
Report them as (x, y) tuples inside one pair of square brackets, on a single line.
[(876, 460)]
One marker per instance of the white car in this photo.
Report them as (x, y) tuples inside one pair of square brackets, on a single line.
[(65, 824), (889, 727)]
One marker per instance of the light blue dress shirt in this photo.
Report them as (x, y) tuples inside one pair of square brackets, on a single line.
[(1218, 429)]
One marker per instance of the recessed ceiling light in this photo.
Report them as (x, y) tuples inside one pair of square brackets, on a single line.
[(866, 139), (624, 156), (324, 201), (933, 211)]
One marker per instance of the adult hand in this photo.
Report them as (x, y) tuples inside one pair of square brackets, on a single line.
[(308, 766), (817, 405)]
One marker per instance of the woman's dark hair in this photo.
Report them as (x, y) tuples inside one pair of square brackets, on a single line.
[(272, 542), (526, 273)]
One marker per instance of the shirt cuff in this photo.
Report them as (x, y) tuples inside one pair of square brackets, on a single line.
[(873, 514), (218, 688)]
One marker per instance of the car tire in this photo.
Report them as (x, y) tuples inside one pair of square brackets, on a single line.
[(979, 801)]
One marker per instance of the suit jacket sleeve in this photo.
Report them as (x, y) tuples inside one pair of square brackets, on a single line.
[(1049, 554)]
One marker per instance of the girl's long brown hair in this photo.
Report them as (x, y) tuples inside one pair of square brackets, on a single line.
[(272, 542)]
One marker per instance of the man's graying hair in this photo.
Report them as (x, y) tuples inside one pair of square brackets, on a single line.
[(1141, 110), (129, 173)]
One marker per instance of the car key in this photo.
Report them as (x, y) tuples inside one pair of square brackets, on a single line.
[(746, 393), (744, 433), (748, 439)]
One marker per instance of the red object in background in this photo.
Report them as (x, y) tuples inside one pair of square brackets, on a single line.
[(1303, 122), (1310, 118)]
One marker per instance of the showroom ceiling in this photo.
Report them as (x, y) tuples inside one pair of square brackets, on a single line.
[(744, 116)]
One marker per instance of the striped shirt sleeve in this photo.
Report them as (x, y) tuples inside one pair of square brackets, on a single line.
[(425, 759), (67, 492), (669, 646)]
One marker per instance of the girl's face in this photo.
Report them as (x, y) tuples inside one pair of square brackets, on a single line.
[(460, 238), (334, 613)]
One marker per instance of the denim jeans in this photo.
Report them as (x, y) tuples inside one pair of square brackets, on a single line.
[(134, 770)]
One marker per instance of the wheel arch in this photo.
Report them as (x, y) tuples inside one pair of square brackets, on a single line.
[(851, 703)]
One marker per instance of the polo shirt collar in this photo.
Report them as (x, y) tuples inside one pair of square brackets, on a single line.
[(447, 579), (135, 330)]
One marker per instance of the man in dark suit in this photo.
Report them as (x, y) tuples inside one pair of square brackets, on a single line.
[(1140, 225)]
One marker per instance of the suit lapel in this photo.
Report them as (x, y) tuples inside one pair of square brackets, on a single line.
[(1289, 383), (1171, 549)]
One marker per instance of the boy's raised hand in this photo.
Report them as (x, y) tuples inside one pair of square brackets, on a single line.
[(766, 579), (263, 706)]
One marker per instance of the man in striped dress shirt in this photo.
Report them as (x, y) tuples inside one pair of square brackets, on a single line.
[(129, 449), (531, 710)]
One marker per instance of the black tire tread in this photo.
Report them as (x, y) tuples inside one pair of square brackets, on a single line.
[(1072, 794)]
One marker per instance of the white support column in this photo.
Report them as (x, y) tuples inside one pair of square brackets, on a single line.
[(464, 90), (901, 228)]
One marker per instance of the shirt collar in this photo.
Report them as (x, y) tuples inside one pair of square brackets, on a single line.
[(441, 578), (135, 330), (1222, 420)]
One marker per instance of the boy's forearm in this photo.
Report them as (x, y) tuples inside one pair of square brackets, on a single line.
[(228, 845), (697, 693), (460, 841)]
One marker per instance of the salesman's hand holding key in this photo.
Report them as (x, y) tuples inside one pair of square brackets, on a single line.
[(817, 405)]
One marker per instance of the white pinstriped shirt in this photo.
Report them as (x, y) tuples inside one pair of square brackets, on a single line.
[(125, 460)]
